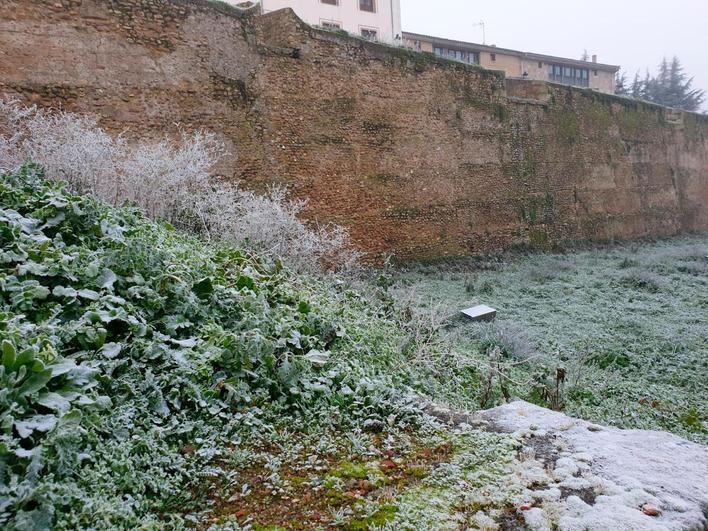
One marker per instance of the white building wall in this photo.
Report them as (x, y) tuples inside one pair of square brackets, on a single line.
[(347, 15)]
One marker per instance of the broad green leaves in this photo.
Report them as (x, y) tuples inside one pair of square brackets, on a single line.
[(127, 340)]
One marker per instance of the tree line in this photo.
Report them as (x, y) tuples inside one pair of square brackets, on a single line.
[(670, 87)]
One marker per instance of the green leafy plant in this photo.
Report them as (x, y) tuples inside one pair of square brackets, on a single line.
[(128, 341), (36, 394)]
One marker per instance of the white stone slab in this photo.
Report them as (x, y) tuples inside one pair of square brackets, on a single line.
[(480, 313)]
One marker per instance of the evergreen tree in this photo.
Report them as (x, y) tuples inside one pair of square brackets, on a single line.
[(637, 90), (671, 87), (621, 84), (648, 88)]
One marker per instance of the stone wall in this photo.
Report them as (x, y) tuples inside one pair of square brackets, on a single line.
[(419, 157)]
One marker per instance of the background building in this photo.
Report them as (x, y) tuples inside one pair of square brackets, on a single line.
[(518, 64), (372, 19)]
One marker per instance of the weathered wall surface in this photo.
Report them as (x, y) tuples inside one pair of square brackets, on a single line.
[(417, 156)]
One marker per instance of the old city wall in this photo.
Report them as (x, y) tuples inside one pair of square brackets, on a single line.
[(419, 157)]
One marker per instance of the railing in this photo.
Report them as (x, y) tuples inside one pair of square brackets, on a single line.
[(567, 80)]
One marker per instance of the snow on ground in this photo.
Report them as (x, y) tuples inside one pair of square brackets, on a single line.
[(582, 476)]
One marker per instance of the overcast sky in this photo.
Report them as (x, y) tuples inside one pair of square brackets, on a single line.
[(635, 34)]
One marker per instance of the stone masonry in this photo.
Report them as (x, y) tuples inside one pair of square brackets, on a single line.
[(417, 156)]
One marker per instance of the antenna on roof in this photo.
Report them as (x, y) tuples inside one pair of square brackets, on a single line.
[(484, 31)]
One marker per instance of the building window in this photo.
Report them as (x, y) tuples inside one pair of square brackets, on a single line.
[(493, 56), (330, 2), (330, 24), (367, 5), (594, 72), (568, 75), (369, 34), (457, 55), (540, 64)]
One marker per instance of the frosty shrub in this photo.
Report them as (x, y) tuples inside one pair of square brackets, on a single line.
[(169, 180)]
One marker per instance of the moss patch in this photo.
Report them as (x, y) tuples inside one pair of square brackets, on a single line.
[(381, 517)]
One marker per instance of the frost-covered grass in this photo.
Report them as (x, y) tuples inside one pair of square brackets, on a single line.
[(473, 487), (627, 323)]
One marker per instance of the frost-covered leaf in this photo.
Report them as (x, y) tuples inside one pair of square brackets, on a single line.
[(42, 423), (35, 382), (54, 221), (73, 418), (32, 268), (89, 294), (107, 279), (111, 350), (204, 288), (62, 367), (317, 358), (61, 291), (55, 402), (22, 453), (38, 519), (9, 354)]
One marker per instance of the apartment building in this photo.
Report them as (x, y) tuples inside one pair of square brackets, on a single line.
[(378, 20), (589, 74)]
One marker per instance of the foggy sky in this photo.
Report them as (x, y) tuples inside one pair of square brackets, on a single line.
[(635, 34)]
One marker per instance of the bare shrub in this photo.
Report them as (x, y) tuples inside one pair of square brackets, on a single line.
[(628, 263), (169, 180)]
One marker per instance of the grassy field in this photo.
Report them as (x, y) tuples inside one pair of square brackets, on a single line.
[(627, 326)]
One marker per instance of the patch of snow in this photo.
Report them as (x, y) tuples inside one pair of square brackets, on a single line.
[(536, 520), (608, 474)]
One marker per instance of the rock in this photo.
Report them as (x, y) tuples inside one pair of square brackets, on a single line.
[(611, 478), (651, 510)]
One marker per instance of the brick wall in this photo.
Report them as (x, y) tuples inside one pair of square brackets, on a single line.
[(418, 156)]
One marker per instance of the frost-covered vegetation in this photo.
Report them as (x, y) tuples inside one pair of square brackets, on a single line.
[(169, 180), (156, 377), (136, 359), (152, 379), (616, 335)]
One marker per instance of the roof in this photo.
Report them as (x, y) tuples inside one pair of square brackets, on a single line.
[(473, 47)]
